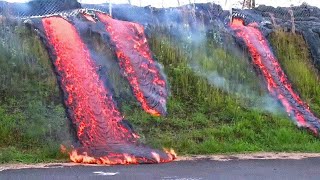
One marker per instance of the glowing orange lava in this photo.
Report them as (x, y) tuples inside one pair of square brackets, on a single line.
[(104, 136), (135, 58), (120, 158), (277, 82)]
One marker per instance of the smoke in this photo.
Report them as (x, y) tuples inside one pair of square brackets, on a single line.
[(189, 27), (188, 24), (224, 64), (275, 78), (251, 95), (260, 102)]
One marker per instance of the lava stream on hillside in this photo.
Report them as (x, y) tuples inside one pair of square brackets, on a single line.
[(103, 134), (277, 82), (136, 62)]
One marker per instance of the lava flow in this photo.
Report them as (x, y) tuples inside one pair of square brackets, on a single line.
[(104, 136), (277, 82), (136, 62)]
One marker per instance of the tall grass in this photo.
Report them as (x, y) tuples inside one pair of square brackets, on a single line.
[(32, 117), (205, 119), (211, 63), (294, 57)]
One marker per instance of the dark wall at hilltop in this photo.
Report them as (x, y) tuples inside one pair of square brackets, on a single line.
[(307, 23), (307, 18), (51, 6)]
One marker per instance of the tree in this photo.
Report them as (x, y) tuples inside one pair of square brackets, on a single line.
[(248, 4), (253, 3), (110, 8)]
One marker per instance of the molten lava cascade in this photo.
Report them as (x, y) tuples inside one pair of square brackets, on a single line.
[(135, 60), (277, 82), (104, 136)]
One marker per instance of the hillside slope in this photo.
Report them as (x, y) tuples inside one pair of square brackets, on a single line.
[(203, 117)]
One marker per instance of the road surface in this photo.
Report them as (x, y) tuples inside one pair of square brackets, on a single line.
[(199, 169)]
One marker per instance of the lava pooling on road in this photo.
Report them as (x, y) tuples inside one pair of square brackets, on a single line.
[(277, 82), (136, 62), (103, 134)]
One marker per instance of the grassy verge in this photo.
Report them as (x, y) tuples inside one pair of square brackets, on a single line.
[(32, 118), (203, 118), (295, 59)]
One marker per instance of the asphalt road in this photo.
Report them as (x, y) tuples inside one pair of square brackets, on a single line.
[(180, 170)]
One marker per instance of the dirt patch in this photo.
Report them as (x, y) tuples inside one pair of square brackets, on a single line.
[(249, 156)]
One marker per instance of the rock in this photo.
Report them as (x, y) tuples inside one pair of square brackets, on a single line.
[(307, 23)]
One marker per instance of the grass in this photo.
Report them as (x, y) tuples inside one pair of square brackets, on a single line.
[(295, 59), (32, 117), (199, 133), (205, 117), (12, 154)]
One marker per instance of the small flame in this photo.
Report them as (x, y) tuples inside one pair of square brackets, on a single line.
[(90, 103), (118, 158), (129, 159), (77, 158), (171, 153)]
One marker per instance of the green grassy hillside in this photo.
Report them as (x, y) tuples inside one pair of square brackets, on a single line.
[(295, 60), (204, 119), (32, 118), (204, 116)]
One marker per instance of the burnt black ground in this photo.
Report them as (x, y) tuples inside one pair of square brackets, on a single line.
[(182, 170)]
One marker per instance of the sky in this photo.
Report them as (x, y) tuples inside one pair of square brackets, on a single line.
[(226, 4)]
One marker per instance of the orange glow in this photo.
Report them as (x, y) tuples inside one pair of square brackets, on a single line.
[(117, 158), (101, 130), (63, 149), (135, 58), (171, 153), (237, 22), (277, 82), (84, 91)]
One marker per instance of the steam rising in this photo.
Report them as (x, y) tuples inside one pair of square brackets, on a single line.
[(193, 35)]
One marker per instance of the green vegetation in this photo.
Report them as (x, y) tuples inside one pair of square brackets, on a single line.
[(295, 59), (32, 118), (204, 116), (204, 119)]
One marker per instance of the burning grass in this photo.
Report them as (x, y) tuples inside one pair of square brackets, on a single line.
[(202, 119), (103, 135)]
